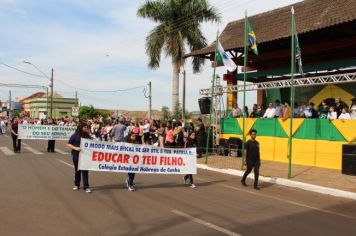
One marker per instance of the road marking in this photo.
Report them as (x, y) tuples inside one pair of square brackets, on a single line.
[(7, 151), (283, 200), (205, 223), (34, 151), (65, 163), (61, 152)]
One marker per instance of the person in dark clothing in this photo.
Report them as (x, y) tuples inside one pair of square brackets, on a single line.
[(252, 159), (131, 138), (51, 143), (339, 104), (200, 137), (180, 138), (191, 143), (16, 143), (74, 144)]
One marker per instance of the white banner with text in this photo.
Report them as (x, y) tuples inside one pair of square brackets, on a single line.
[(47, 132), (135, 158)]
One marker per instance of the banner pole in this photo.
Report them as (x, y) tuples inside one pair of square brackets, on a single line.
[(211, 98), (290, 140), (244, 94)]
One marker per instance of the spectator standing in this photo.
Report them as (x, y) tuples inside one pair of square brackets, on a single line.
[(279, 109), (323, 110), (236, 111), (286, 111), (200, 135), (339, 104), (332, 115), (270, 111), (118, 132), (344, 114), (353, 109)]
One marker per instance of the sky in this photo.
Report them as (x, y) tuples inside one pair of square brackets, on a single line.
[(99, 45)]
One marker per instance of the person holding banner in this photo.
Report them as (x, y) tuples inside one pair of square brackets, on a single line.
[(51, 143), (131, 138), (191, 143), (74, 144), (14, 134)]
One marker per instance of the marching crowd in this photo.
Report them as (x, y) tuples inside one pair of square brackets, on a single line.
[(171, 134), (331, 110)]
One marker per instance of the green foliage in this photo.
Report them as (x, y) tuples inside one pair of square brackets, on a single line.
[(89, 112), (166, 114), (178, 21)]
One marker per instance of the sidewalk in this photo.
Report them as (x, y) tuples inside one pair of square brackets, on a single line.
[(306, 174)]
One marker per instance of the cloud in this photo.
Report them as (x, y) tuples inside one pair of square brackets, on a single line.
[(99, 46)]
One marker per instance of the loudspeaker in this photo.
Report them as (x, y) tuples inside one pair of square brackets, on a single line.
[(204, 105), (349, 159)]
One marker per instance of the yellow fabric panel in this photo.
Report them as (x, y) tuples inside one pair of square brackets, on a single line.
[(249, 122), (318, 153), (297, 122), (347, 128), (331, 91), (329, 154), (231, 100)]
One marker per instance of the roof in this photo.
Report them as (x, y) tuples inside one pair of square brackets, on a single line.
[(40, 95), (310, 15)]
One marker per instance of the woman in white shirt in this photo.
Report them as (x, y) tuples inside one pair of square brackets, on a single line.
[(332, 115), (344, 114)]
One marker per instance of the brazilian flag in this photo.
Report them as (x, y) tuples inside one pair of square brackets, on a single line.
[(252, 38)]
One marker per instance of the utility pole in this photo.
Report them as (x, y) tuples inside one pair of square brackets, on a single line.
[(52, 94), (149, 100), (10, 107), (76, 98), (183, 98)]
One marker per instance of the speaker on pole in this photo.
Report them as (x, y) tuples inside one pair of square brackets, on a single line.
[(204, 105)]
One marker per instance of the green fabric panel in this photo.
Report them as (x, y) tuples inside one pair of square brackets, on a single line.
[(318, 129), (272, 95), (230, 126), (269, 127)]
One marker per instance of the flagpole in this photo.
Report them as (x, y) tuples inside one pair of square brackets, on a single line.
[(244, 94), (211, 97), (290, 140)]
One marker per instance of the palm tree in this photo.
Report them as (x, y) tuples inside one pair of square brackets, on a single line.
[(178, 23)]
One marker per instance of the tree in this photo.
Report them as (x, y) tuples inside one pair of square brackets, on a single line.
[(166, 114), (89, 112), (179, 21)]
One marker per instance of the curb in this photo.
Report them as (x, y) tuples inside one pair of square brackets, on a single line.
[(286, 182)]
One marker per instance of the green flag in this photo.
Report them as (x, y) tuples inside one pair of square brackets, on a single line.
[(252, 38)]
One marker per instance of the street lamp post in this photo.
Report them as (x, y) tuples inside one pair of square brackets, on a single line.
[(51, 85)]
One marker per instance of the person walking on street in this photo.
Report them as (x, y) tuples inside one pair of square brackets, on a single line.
[(51, 143), (252, 159), (16, 143), (191, 143), (74, 144)]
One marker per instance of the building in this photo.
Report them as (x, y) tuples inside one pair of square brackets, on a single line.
[(38, 105)]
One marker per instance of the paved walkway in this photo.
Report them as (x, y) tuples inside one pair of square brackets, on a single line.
[(307, 174)]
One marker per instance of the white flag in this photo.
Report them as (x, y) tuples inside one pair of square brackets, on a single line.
[(224, 58)]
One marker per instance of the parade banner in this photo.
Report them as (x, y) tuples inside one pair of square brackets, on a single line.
[(134, 158), (47, 132)]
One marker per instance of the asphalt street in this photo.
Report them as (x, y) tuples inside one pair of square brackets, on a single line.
[(36, 198)]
